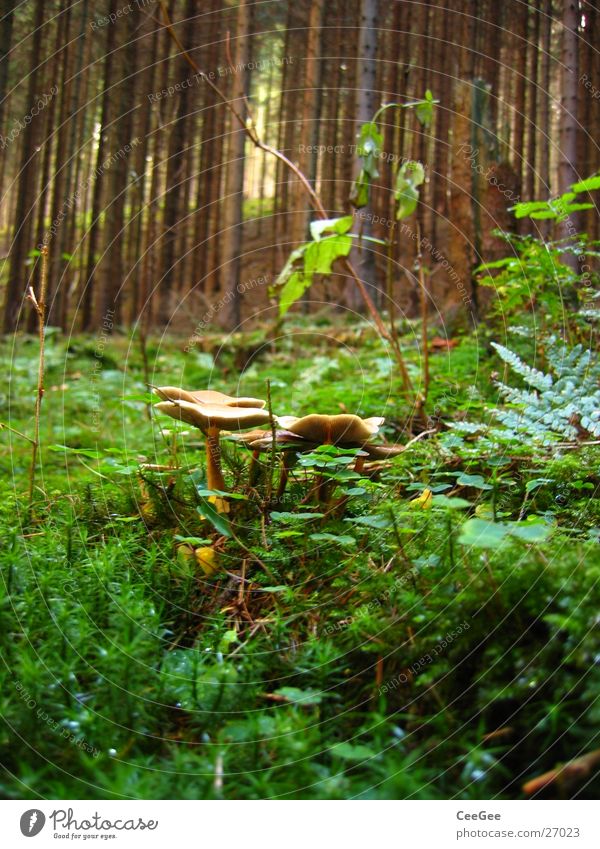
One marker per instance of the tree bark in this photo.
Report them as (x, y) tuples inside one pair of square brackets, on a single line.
[(233, 211), (362, 256), (88, 299), (23, 220), (174, 217)]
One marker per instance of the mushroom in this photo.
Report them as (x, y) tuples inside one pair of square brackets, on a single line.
[(342, 429), (315, 429), (211, 418), (207, 396)]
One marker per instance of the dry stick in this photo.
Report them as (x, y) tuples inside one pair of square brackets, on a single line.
[(250, 130), (40, 308), (14, 430)]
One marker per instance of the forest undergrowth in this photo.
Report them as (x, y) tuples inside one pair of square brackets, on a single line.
[(330, 625)]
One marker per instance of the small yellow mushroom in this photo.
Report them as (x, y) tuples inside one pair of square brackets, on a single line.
[(208, 560), (422, 501)]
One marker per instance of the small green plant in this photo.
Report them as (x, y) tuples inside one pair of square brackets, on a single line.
[(561, 403), (539, 276)]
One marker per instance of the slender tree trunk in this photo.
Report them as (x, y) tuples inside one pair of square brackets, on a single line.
[(88, 299), (138, 191), (175, 178), (62, 201), (233, 207), (68, 266), (567, 172), (6, 30), (29, 168), (532, 110), (544, 127), (362, 256), (567, 167), (518, 143)]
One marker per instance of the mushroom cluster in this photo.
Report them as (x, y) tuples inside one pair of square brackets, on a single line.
[(213, 412)]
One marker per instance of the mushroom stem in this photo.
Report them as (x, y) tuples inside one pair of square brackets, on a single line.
[(214, 474), (286, 465), (359, 465), (253, 469)]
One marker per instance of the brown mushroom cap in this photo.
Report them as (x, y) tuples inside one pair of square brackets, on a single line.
[(207, 396), (334, 430), (205, 416)]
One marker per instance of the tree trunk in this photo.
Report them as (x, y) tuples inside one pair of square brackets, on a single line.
[(532, 109), (6, 30), (366, 105), (567, 167), (567, 170), (88, 299), (233, 210), (176, 163), (29, 168)]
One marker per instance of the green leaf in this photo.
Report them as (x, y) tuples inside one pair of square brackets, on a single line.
[(92, 453), (359, 193), (318, 259), (588, 185), (501, 263), (479, 533), (577, 207), (295, 287), (288, 268), (544, 216), (308, 697), (343, 540), (349, 752), (410, 175), (424, 110), (369, 148), (295, 517), (523, 210), (378, 522), (530, 531), (536, 482), (450, 503), (206, 493), (333, 225), (218, 520), (321, 255), (193, 540), (476, 481)]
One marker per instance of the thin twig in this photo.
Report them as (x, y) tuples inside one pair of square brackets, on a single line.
[(417, 438), (14, 430)]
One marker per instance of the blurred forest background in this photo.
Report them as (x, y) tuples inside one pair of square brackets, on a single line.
[(155, 205)]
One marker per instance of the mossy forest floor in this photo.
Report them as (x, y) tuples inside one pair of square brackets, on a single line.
[(368, 645)]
